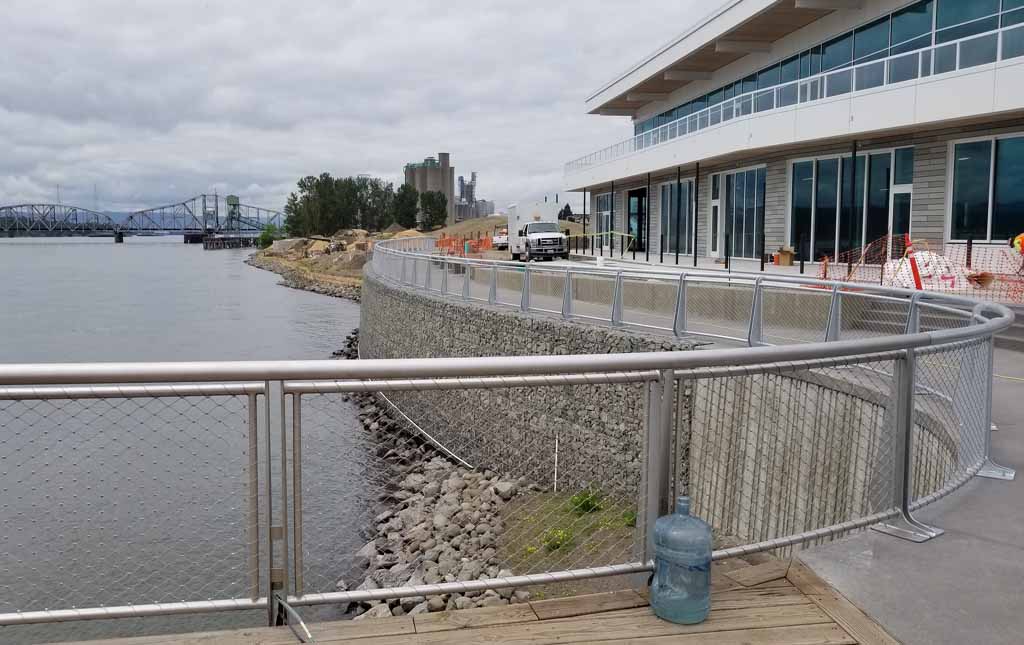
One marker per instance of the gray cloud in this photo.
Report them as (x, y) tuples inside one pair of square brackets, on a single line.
[(153, 102)]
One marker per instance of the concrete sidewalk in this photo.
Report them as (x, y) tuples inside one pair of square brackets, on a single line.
[(965, 586)]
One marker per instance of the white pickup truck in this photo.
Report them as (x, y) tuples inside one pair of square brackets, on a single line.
[(534, 232), (500, 239)]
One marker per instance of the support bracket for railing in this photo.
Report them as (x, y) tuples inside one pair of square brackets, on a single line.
[(567, 295), (524, 300), (679, 320), (835, 316), (756, 330), (616, 317), (990, 469), (904, 526), (492, 292), (284, 614)]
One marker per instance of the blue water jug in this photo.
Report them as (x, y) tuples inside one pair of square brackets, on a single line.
[(681, 588)]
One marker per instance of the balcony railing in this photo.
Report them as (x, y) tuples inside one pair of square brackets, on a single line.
[(1001, 44)]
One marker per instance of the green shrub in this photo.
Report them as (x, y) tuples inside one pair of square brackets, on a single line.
[(586, 501), (629, 518), (268, 235), (554, 539)]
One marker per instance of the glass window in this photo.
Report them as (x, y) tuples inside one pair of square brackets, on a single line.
[(768, 77), (800, 217), (900, 219), (837, 52), (1008, 192), (825, 201), (1013, 43), (1012, 18), (749, 216), (869, 76), (749, 84), (851, 220), (714, 187), (904, 68), (870, 39), (911, 45), (787, 95), (699, 104), (716, 97), (815, 60), (955, 12), (904, 173), (912, 22), (877, 216), (805, 64), (727, 93), (971, 167), (978, 51), (790, 70), (838, 83), (1012, 4), (945, 59), (764, 100), (968, 29)]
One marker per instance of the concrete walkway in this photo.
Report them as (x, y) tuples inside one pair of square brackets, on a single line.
[(966, 586)]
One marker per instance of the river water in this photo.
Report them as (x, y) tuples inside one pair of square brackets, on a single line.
[(82, 482)]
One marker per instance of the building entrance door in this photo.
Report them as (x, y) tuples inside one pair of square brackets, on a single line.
[(637, 220)]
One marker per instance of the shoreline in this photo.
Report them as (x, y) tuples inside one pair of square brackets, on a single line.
[(295, 277)]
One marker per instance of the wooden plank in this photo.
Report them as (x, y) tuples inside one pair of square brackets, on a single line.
[(824, 634), (345, 630), (770, 597), (588, 604), (622, 625), (757, 574), (839, 608), (472, 618), (774, 584)]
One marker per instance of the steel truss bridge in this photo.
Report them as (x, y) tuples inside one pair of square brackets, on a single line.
[(194, 218)]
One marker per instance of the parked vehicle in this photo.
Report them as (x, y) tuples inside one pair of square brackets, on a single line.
[(534, 232), (500, 239)]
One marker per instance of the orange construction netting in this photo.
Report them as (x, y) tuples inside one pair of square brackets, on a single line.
[(984, 271)]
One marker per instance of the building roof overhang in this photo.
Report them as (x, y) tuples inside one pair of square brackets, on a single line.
[(734, 30)]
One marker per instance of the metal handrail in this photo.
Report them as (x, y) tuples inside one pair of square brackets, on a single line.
[(806, 90)]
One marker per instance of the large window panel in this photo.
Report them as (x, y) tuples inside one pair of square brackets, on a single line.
[(912, 22), (768, 77), (955, 12), (851, 220), (978, 51), (1008, 191), (837, 52), (877, 216), (900, 219), (803, 208), (790, 70), (825, 208), (972, 163), (967, 29), (904, 173), (871, 39), (749, 216)]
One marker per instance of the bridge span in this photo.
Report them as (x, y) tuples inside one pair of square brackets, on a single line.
[(193, 218)]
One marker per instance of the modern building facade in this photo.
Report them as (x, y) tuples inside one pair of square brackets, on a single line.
[(436, 175), (821, 125)]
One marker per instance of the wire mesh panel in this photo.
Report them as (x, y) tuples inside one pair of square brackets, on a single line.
[(497, 481), (778, 453), (867, 315), (649, 302), (121, 501), (546, 290), (479, 281), (509, 289), (794, 315), (592, 295), (719, 307)]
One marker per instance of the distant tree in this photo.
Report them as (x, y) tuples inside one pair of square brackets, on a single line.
[(434, 205), (566, 212), (377, 207), (267, 236), (406, 206)]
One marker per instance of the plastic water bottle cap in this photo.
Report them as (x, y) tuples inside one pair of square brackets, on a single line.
[(682, 505)]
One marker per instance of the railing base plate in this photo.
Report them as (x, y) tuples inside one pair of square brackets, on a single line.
[(905, 530), (992, 470)]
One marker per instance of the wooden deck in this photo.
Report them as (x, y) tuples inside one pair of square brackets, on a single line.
[(765, 604)]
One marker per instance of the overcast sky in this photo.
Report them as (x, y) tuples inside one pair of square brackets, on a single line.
[(152, 102)]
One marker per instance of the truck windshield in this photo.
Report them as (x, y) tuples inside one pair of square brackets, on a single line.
[(543, 227)]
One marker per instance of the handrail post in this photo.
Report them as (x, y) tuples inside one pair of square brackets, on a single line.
[(444, 276), (835, 316), (567, 295), (756, 330), (990, 469), (402, 279), (524, 297), (492, 292), (660, 398), (297, 492), (616, 317), (426, 282), (901, 421), (466, 273), (679, 320), (415, 272)]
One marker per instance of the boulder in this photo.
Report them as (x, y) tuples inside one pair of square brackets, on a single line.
[(377, 611)]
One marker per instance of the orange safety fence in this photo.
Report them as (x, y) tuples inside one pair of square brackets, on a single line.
[(983, 271), (459, 246)]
